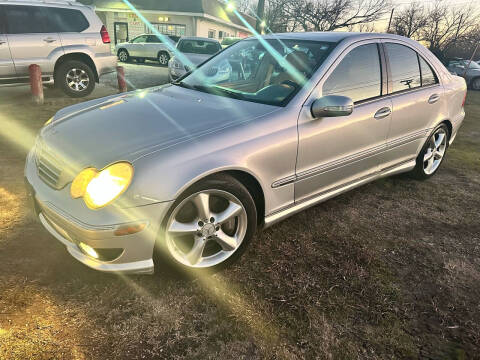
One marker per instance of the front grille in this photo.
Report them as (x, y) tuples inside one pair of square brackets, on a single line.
[(49, 168)]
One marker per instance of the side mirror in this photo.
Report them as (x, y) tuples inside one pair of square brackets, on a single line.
[(332, 105)]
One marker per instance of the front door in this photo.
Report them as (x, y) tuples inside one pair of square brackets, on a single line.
[(120, 32), (6, 63), (336, 151), (136, 48), (29, 39)]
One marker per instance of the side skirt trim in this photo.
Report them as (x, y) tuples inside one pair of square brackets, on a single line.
[(325, 195)]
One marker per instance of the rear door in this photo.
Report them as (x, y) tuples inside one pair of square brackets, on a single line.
[(416, 96), (30, 40), (6, 63)]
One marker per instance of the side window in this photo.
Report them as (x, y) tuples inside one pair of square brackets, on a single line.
[(140, 39), (428, 76), (358, 75), (24, 19), (404, 67), (153, 39), (2, 21), (65, 20)]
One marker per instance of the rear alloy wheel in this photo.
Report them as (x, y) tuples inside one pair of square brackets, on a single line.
[(123, 55), (476, 84), (75, 78), (210, 225), (432, 154), (163, 58)]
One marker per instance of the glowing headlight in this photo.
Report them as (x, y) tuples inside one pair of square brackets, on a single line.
[(101, 188)]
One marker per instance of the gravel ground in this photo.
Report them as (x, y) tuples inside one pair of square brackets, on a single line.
[(389, 270)]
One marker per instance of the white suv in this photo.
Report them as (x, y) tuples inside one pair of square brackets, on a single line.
[(65, 38), (147, 46)]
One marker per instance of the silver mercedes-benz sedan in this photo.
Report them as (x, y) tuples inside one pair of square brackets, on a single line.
[(187, 172)]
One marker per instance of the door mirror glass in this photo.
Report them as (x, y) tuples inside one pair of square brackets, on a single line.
[(332, 105)]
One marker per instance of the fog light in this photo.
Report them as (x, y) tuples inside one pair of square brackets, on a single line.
[(88, 250)]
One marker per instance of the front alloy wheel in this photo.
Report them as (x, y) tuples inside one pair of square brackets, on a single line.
[(206, 228), (210, 225), (476, 84), (163, 58)]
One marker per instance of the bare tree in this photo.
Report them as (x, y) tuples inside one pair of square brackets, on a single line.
[(409, 21), (329, 15)]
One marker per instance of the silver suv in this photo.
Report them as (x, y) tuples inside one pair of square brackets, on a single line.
[(65, 38)]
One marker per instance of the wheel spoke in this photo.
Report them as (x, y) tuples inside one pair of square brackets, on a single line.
[(227, 242), (182, 228), (230, 212), (195, 254), (428, 155), (439, 141), (201, 202)]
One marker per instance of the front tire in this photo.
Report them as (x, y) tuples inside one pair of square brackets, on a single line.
[(208, 227), (75, 78), (123, 55), (432, 154)]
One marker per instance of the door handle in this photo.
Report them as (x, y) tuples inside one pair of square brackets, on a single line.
[(49, 40), (433, 99), (382, 113)]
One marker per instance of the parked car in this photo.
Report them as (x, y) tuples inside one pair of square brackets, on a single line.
[(66, 39), (470, 70), (191, 51), (185, 173), (226, 42), (147, 46)]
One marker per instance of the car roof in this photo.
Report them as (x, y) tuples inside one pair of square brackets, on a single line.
[(198, 38), (334, 36)]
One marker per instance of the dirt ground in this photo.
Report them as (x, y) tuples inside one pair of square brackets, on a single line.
[(389, 270)]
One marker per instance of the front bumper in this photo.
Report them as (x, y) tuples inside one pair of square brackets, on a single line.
[(72, 223), (175, 74)]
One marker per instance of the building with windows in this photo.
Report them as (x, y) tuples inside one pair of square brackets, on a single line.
[(206, 18)]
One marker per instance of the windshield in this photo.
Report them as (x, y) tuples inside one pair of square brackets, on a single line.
[(264, 71), (199, 47), (464, 63)]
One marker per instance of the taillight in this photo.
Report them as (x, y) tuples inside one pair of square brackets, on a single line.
[(104, 34), (464, 98)]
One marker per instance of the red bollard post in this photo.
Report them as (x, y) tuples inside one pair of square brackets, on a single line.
[(36, 85), (122, 84)]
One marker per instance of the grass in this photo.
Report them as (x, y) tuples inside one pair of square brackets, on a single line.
[(389, 270)]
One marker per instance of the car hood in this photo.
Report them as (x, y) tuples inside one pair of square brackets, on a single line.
[(99, 132)]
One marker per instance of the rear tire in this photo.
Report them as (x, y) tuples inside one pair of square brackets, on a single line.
[(163, 58), (432, 154), (224, 195), (75, 78)]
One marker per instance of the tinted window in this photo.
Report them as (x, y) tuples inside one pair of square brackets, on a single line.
[(199, 47), (358, 75), (65, 20), (428, 76), (403, 66), (153, 39), (2, 21), (24, 19)]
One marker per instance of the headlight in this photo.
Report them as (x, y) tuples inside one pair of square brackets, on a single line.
[(100, 188), (177, 65)]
